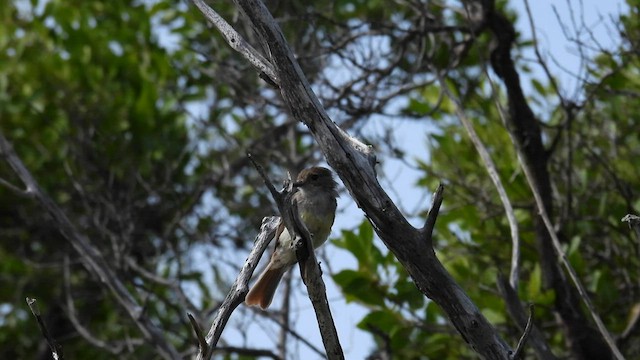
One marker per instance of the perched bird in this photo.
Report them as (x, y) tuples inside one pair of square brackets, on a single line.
[(316, 198)]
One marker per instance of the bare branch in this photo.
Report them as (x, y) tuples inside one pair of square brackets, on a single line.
[(309, 269), (202, 343), (292, 332), (497, 182), (73, 318), (284, 314), (525, 335), (277, 196), (526, 136), (56, 349), (541, 61), (15, 189), (239, 288), (562, 257), (238, 43), (355, 164), (517, 313), (430, 223), (90, 256), (312, 277)]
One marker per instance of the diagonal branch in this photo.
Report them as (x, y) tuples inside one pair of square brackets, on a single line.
[(355, 163), (525, 335), (90, 256), (239, 44), (309, 269), (517, 313), (238, 290), (56, 349), (312, 278), (497, 182)]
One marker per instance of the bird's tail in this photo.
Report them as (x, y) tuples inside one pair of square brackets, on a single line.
[(262, 291)]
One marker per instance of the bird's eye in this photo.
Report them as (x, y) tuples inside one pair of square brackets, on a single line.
[(314, 177)]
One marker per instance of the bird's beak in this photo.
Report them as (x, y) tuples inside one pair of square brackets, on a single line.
[(298, 183)]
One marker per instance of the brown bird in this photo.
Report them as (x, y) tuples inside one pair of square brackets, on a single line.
[(316, 198)]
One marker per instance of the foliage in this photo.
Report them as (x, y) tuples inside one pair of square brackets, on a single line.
[(135, 117)]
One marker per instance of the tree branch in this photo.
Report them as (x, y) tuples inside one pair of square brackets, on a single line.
[(525, 335), (90, 256), (309, 269), (312, 277), (497, 182), (239, 289), (527, 138), (202, 343), (430, 223), (516, 311), (56, 349), (354, 162), (239, 44), (114, 349)]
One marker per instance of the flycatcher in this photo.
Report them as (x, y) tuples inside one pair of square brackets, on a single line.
[(316, 198)]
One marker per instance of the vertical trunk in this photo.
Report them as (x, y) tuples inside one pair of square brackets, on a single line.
[(585, 341)]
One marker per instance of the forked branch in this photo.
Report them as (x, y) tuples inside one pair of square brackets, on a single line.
[(354, 163)]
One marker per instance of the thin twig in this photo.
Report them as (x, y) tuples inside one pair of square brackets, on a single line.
[(541, 61), (15, 189), (497, 182), (430, 223), (525, 335), (517, 313), (56, 349), (198, 330), (114, 349), (304, 340), (90, 256), (284, 314), (275, 193)]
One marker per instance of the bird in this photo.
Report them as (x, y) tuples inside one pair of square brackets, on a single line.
[(316, 198)]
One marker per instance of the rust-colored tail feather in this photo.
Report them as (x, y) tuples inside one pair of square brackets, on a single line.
[(263, 290)]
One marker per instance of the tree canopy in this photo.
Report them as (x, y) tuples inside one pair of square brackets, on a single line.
[(127, 199)]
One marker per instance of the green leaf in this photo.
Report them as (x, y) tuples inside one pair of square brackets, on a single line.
[(534, 285), (359, 286)]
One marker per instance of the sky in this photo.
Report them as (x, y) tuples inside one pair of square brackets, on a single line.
[(563, 59)]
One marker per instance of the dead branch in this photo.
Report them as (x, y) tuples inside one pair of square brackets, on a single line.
[(355, 164), (491, 168), (309, 269), (238, 290), (517, 313), (56, 349), (90, 256)]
